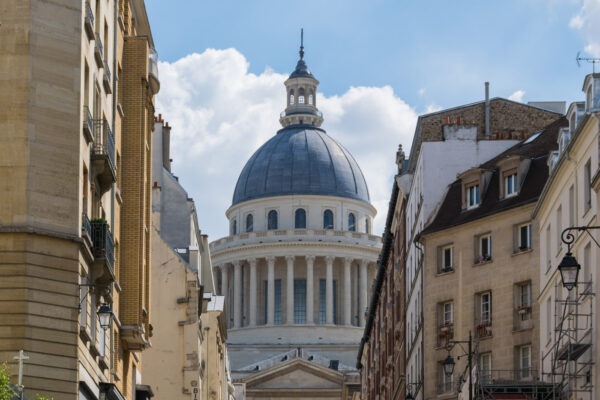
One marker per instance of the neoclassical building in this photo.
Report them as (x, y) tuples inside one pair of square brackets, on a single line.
[(298, 264)]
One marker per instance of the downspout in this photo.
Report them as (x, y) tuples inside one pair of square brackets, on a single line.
[(421, 318), (487, 109), (112, 198)]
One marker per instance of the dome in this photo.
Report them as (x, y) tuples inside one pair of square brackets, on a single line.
[(301, 160), (301, 71)]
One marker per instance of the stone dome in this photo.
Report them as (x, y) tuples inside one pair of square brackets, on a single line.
[(301, 160)]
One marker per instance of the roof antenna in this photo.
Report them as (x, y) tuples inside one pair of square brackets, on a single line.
[(591, 60), (301, 43)]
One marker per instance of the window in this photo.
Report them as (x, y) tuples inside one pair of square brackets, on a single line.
[(446, 263), (525, 295), (367, 226), (277, 302), (234, 227), (300, 219), (448, 313), (548, 320), (351, 222), (310, 97), (249, 223), (299, 301), (291, 97), (485, 367), (548, 254), (587, 274), (301, 96), (445, 381), (485, 248), (272, 220), (587, 181), (328, 219), (510, 185), (572, 206), (486, 308), (525, 237), (472, 196), (525, 361), (558, 228), (323, 304)]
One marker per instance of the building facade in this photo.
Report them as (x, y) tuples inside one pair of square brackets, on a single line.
[(182, 271), (473, 134), (297, 266), (568, 319), (62, 250), (481, 254)]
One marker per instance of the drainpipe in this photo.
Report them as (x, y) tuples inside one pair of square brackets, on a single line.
[(112, 198), (487, 109)]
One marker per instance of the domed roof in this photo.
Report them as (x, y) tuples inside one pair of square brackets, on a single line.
[(301, 71), (301, 159)]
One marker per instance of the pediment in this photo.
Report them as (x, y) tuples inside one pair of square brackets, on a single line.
[(295, 374)]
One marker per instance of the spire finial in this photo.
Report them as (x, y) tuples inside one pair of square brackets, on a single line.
[(301, 43)]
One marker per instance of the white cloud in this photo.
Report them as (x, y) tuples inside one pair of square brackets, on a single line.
[(221, 114), (517, 96), (586, 21), (421, 91)]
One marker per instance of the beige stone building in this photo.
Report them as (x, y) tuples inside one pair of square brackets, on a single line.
[(568, 320), (481, 275), (182, 272), (72, 73)]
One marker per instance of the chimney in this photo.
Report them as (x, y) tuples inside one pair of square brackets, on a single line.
[(487, 109), (166, 138)]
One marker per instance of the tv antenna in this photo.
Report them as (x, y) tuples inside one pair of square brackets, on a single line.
[(591, 60)]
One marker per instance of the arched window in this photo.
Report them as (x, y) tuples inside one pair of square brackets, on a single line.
[(351, 222), (367, 225), (301, 96), (310, 98), (234, 227), (300, 219), (292, 96), (328, 219), (272, 220), (249, 223)]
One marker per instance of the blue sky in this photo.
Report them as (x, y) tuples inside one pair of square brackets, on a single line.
[(430, 54)]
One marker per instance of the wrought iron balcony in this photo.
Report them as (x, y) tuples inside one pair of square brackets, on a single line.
[(86, 227), (103, 156), (89, 20), (106, 78), (88, 124), (99, 51), (103, 248)]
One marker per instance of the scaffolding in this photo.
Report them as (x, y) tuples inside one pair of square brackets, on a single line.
[(570, 353)]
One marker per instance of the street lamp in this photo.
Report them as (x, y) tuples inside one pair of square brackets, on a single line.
[(449, 365), (409, 396), (569, 271), (105, 315)]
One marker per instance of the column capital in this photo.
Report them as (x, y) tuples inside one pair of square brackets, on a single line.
[(329, 259), (252, 261), (270, 259), (310, 259), (290, 259), (348, 260), (236, 263), (364, 263)]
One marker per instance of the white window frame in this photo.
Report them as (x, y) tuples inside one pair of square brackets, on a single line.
[(528, 239), (525, 295), (487, 237), (448, 310), (450, 249), (485, 363), (511, 187), (472, 196), (525, 361), (488, 319)]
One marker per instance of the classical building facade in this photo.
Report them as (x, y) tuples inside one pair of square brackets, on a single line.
[(182, 273), (568, 319), (64, 248), (472, 134), (297, 266), (481, 254)]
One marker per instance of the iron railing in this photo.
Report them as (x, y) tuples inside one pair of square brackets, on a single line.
[(89, 13), (99, 45), (508, 376), (88, 121), (104, 142), (107, 71), (86, 226), (102, 242)]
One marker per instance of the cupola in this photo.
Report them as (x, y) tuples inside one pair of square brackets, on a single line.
[(301, 92)]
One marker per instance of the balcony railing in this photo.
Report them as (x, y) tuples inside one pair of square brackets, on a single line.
[(106, 78), (508, 376), (484, 329), (445, 333), (99, 51), (104, 142), (88, 124), (89, 20), (102, 243), (86, 226)]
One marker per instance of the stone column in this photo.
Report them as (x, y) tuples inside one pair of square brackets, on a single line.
[(347, 291), (363, 292), (271, 291), (329, 291), (310, 300), (237, 294), (224, 287), (290, 291), (252, 262)]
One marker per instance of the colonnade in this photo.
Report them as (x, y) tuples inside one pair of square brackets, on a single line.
[(249, 296)]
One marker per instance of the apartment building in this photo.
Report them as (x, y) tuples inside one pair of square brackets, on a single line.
[(568, 318), (64, 249), (445, 144), (481, 274)]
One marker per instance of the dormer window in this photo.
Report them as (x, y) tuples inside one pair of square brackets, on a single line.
[(510, 184), (472, 196)]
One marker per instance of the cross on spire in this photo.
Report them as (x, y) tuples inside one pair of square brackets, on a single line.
[(301, 43)]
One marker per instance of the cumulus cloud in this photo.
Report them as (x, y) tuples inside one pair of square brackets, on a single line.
[(221, 114), (517, 96), (586, 21)]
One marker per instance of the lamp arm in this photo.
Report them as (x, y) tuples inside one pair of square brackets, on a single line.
[(568, 237)]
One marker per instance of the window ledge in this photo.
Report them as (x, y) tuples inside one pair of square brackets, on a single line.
[(442, 272), (516, 331), (519, 251), (477, 264)]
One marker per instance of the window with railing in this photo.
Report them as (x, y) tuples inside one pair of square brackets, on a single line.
[(484, 314), (523, 306), (524, 237), (472, 196), (525, 362), (445, 321), (299, 301), (484, 248), (485, 367), (272, 220), (444, 381), (445, 259)]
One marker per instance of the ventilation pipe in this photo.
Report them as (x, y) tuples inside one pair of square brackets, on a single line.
[(487, 109)]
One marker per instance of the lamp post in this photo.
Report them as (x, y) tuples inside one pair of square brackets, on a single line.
[(409, 395), (105, 315), (569, 267), (449, 363)]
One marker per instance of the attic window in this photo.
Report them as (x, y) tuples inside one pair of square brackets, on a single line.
[(472, 196), (510, 184)]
